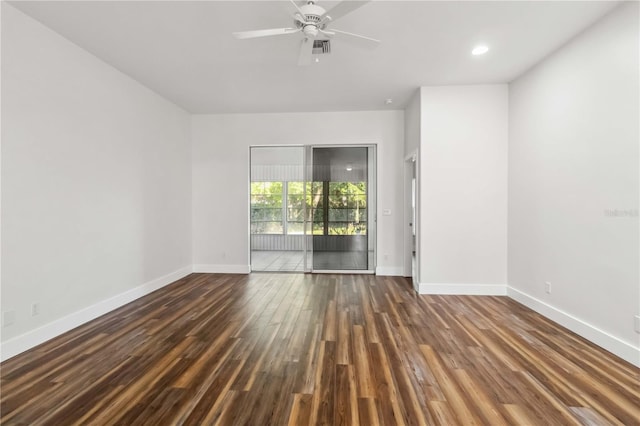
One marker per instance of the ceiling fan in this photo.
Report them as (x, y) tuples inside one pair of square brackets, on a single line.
[(311, 21)]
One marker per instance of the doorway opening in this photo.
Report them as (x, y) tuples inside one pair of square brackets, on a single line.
[(411, 232), (313, 208)]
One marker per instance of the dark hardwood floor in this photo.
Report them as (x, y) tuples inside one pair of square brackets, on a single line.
[(291, 349)]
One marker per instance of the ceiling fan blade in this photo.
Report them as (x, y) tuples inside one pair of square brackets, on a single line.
[(329, 34), (369, 39), (306, 49), (297, 8), (342, 9), (265, 33), (300, 18)]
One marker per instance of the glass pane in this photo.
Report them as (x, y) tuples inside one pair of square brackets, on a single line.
[(295, 188), (357, 201), (256, 215), (357, 215), (272, 214), (266, 228), (343, 244), (295, 201), (255, 227), (271, 205), (318, 228), (338, 201), (338, 215), (316, 187), (318, 215), (273, 188), (266, 208), (274, 228), (273, 200), (295, 215), (338, 188), (257, 187), (315, 201), (338, 228), (360, 228), (294, 228), (358, 188)]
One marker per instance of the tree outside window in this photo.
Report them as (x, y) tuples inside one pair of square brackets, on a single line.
[(279, 208), (266, 208), (347, 202)]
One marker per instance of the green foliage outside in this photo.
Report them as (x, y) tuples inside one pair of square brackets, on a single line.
[(346, 203)]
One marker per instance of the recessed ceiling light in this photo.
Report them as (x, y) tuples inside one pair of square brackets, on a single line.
[(480, 50), (388, 101)]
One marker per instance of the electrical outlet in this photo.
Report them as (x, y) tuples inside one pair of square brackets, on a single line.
[(8, 318), (637, 323), (35, 309), (547, 287)]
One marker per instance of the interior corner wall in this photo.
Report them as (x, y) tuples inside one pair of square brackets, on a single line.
[(412, 129), (221, 177), (96, 179), (463, 189), (574, 184)]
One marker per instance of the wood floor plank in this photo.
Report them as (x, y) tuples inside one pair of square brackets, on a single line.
[(364, 378), (480, 399), (300, 409), (205, 402), (455, 398), (346, 411), (296, 349), (368, 412), (414, 407)]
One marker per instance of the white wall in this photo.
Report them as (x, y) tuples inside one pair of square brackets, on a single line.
[(412, 126), (463, 189), (573, 155), (95, 184), (221, 172)]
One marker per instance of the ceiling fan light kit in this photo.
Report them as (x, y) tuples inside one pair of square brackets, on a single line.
[(311, 21)]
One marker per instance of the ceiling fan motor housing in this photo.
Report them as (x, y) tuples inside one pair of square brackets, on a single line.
[(312, 16)]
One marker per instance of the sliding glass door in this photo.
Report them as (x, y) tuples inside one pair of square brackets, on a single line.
[(344, 221), (313, 208), (276, 212)]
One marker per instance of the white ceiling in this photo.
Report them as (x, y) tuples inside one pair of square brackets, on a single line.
[(184, 50)]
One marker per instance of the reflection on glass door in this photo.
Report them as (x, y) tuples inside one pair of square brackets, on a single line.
[(343, 224)]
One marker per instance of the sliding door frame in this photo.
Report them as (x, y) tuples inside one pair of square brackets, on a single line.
[(307, 164), (372, 215)]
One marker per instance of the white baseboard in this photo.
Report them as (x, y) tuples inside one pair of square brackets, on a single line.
[(32, 338), (463, 289), (624, 350), (390, 271), (222, 269)]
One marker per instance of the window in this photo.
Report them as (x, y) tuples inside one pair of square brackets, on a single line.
[(295, 208), (266, 208), (315, 206), (347, 202), (296, 204)]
